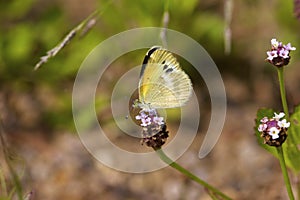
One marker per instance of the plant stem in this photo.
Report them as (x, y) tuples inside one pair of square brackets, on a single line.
[(283, 96), (282, 92), (164, 25), (285, 173), (184, 171), (279, 149), (15, 178)]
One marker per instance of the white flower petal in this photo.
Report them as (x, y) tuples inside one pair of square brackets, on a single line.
[(278, 116), (274, 132), (262, 127), (283, 123), (264, 120), (289, 47), (274, 43)]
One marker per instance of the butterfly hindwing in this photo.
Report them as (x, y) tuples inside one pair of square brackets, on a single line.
[(163, 84)]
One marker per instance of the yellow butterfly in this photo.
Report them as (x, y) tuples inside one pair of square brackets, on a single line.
[(163, 84)]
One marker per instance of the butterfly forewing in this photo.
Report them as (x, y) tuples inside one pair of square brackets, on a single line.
[(163, 84)]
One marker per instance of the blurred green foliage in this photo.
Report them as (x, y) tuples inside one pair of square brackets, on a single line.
[(29, 28)]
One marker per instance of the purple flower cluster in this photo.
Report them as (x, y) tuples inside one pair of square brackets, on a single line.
[(279, 55), (149, 119), (154, 132), (274, 130)]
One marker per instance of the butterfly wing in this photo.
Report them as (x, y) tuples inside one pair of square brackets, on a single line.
[(163, 84)]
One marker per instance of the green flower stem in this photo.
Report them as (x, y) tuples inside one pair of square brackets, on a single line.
[(279, 149), (184, 171), (282, 92), (283, 96), (285, 173)]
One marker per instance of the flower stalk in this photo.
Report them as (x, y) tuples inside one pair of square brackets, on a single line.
[(279, 149), (195, 178), (282, 92), (285, 173)]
